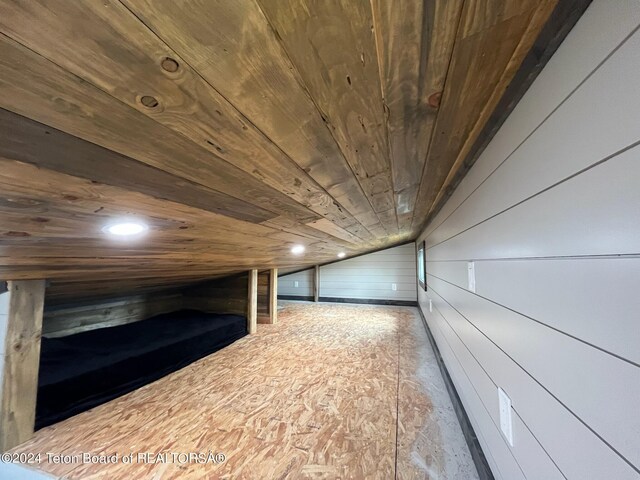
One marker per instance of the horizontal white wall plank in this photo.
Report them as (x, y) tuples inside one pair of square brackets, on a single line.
[(577, 451), (527, 452), (601, 289), (368, 294), (499, 457), (378, 279), (584, 378), (582, 216), (572, 139), (369, 276)]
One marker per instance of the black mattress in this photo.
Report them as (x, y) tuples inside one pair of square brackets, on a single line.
[(81, 371)]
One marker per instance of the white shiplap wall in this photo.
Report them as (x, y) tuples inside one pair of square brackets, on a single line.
[(367, 277), (287, 284), (372, 276), (550, 215)]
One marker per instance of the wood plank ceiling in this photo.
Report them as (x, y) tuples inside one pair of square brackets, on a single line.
[(237, 128)]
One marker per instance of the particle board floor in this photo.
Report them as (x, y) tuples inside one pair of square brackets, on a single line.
[(330, 392)]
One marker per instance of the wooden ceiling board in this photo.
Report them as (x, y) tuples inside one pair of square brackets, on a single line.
[(236, 129), (53, 205), (55, 232), (28, 141), (32, 142), (235, 49), (484, 59), (549, 38), (106, 45), (332, 44), (37, 88), (540, 16), (415, 40)]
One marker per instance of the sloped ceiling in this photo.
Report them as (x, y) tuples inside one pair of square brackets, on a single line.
[(237, 128)]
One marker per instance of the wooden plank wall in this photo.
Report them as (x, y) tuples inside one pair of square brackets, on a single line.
[(263, 297), (67, 319), (225, 295)]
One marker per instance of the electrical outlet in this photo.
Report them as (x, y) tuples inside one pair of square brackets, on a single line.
[(295, 284), (394, 287), (505, 415), (471, 270), (430, 306)]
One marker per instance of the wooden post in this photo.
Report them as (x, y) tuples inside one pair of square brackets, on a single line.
[(21, 309), (316, 283), (252, 304), (273, 295)]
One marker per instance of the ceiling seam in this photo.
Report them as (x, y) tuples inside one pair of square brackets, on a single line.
[(477, 124), (300, 80), (435, 122), (155, 167), (92, 85), (244, 117), (476, 152), (377, 32), (125, 155)]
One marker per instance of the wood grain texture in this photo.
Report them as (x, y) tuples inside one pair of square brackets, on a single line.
[(414, 42), (130, 67), (27, 141), (69, 319), (20, 362), (490, 45), (254, 73), (39, 89), (539, 17), (332, 45), (228, 295), (263, 297), (252, 302), (273, 296), (239, 128), (560, 22), (56, 232)]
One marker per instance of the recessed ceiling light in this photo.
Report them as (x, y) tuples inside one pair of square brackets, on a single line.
[(341, 255), (297, 249), (126, 229)]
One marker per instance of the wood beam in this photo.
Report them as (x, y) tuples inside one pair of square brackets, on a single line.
[(316, 283), (273, 296), (252, 304), (21, 309)]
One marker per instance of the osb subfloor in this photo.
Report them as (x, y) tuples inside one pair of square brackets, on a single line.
[(330, 392)]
